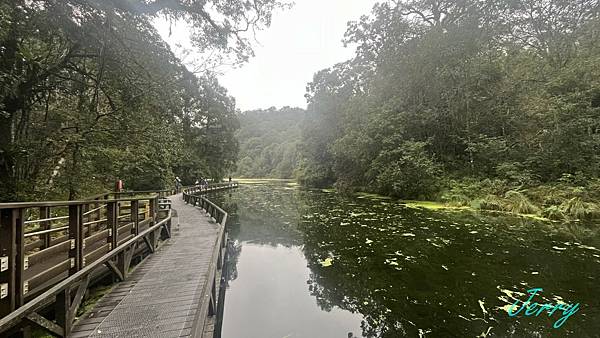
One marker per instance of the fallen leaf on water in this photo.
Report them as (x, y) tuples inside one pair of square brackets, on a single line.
[(327, 262)]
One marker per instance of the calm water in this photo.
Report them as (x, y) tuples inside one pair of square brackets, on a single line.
[(312, 264)]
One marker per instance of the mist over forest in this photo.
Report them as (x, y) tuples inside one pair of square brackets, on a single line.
[(442, 172), (491, 104)]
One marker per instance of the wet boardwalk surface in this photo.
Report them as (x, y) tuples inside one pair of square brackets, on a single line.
[(162, 297)]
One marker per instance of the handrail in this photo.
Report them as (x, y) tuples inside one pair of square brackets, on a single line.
[(192, 196), (40, 301), (40, 254), (14, 205)]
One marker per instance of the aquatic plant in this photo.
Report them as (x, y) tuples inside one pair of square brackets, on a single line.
[(553, 212), (518, 203), (492, 202), (574, 207), (577, 208)]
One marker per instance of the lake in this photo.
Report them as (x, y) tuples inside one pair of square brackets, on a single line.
[(309, 263)]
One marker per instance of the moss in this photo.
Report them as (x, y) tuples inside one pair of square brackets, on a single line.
[(40, 333), (93, 295), (456, 199)]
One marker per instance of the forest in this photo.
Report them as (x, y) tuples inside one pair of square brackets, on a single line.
[(90, 93), (269, 141), (491, 104)]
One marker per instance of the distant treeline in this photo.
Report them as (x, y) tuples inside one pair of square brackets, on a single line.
[(269, 142), (463, 100)]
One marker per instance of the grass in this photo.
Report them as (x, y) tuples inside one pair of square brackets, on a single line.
[(518, 203), (92, 297)]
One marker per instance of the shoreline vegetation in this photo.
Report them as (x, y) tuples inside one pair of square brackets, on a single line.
[(550, 202), (471, 109), (557, 201)]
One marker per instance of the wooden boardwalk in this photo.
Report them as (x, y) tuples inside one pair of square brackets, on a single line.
[(165, 296)]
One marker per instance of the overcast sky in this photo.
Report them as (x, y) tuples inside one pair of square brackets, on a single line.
[(300, 42)]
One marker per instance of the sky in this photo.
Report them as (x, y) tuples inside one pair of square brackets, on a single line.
[(300, 41)]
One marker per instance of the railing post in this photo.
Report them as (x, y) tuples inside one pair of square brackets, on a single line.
[(135, 207), (21, 286), (76, 238), (153, 206), (12, 258), (112, 224), (63, 311)]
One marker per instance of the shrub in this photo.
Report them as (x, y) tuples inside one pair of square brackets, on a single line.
[(518, 203), (554, 213), (408, 171), (578, 209), (492, 202)]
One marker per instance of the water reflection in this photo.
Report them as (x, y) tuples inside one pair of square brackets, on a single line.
[(394, 271), (267, 293)]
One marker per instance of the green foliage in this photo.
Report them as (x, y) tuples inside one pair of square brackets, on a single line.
[(492, 88), (576, 208), (407, 172), (491, 202), (90, 93), (518, 203), (269, 142), (554, 213)]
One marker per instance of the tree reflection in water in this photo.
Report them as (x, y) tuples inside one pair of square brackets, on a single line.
[(411, 272)]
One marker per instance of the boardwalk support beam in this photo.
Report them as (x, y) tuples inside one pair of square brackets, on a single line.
[(46, 324), (114, 269)]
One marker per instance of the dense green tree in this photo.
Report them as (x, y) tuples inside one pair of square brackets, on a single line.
[(269, 142), (90, 93), (444, 89)]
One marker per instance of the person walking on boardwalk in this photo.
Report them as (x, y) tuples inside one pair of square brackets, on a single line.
[(177, 184)]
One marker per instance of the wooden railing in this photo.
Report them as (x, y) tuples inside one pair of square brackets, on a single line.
[(200, 189), (193, 196), (50, 251)]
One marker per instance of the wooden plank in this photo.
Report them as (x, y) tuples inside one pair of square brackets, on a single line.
[(46, 324), (113, 267), (81, 289), (15, 317), (62, 311), (45, 275), (54, 250), (170, 284)]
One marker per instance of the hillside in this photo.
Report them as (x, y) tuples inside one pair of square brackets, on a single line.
[(268, 142)]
